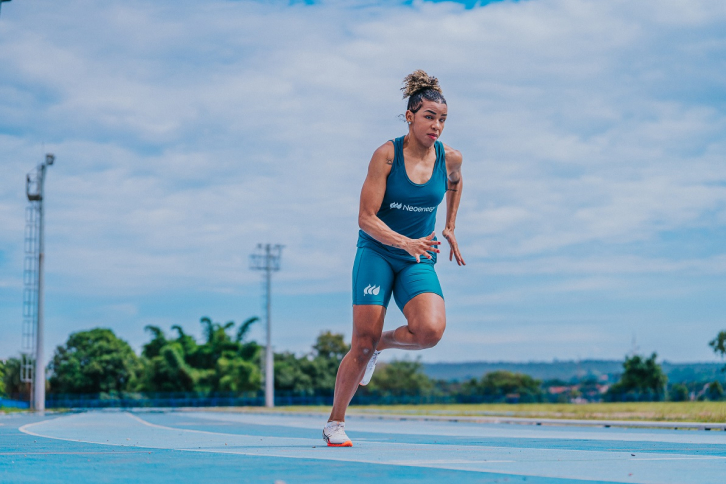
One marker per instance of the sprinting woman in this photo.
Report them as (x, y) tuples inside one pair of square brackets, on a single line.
[(397, 247)]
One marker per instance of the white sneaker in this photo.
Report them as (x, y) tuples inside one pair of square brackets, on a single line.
[(370, 368), (334, 435)]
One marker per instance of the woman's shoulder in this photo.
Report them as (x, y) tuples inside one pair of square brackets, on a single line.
[(452, 156), (386, 150)]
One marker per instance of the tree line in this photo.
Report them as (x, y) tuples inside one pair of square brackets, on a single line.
[(98, 362)]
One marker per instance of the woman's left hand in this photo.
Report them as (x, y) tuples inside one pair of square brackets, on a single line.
[(449, 236)]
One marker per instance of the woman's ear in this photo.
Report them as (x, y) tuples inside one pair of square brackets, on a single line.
[(409, 117)]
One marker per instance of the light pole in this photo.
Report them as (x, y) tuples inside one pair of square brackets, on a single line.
[(267, 259), (34, 277)]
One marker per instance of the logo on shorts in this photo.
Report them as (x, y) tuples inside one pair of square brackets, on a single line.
[(372, 290)]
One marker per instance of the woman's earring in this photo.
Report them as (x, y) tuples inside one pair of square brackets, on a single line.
[(409, 122)]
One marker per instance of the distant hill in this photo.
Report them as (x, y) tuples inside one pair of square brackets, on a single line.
[(571, 370)]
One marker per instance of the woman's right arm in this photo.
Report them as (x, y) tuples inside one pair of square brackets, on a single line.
[(371, 197)]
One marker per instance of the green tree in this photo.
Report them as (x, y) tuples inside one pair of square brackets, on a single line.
[(2, 378), (187, 343), (237, 375), (293, 374), (328, 351), (153, 347), (249, 351), (330, 346), (11, 377), (641, 378), (235, 364), (401, 377), (504, 385), (92, 362), (244, 328), (219, 364), (217, 343), (715, 392), (679, 393), (167, 371), (314, 372), (719, 345)]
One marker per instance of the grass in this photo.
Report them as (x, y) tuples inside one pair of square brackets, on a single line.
[(710, 412), (5, 410), (707, 412)]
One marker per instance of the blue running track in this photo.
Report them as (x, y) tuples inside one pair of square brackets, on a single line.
[(210, 446)]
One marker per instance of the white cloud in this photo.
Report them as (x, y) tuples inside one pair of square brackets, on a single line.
[(187, 133)]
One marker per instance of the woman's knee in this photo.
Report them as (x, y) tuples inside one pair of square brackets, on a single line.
[(364, 345), (428, 335), (367, 329)]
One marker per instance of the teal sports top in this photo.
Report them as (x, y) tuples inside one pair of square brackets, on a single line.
[(409, 208)]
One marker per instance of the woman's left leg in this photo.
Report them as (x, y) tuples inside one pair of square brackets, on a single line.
[(426, 318), (418, 294)]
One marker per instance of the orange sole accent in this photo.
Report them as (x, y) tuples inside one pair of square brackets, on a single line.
[(344, 444)]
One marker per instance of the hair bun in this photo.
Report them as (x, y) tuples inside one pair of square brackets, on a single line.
[(417, 81)]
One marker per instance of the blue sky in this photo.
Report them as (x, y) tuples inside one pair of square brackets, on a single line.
[(593, 134)]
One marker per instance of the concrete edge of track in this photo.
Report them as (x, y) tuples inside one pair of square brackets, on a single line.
[(505, 420)]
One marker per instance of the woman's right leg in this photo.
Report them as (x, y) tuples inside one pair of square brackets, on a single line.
[(373, 280), (367, 329)]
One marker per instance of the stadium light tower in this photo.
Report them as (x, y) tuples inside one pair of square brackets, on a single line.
[(33, 368), (267, 259)]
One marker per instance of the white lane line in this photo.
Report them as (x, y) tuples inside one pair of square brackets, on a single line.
[(113, 452), (699, 457), (426, 462), (25, 429), (149, 424), (292, 439)]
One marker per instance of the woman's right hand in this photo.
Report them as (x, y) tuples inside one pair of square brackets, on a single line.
[(422, 247)]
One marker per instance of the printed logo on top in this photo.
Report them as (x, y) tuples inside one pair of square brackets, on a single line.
[(372, 290), (410, 208)]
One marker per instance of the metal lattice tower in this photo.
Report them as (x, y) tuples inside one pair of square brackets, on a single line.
[(32, 366), (30, 289), (267, 259)]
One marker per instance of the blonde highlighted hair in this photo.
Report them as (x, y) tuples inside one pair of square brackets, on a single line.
[(419, 86)]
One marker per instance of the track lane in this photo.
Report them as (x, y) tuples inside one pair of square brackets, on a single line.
[(127, 430)]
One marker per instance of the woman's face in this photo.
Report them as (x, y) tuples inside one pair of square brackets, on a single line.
[(427, 123)]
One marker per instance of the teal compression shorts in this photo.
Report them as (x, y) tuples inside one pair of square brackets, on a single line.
[(376, 277)]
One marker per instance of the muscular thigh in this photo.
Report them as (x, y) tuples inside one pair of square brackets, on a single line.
[(367, 324), (426, 312)]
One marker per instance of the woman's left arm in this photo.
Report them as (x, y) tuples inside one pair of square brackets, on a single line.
[(453, 197)]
